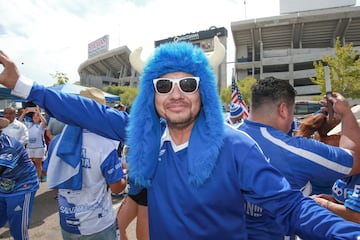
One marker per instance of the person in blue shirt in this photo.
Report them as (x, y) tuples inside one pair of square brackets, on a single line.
[(197, 170), (18, 185), (301, 160), (345, 198)]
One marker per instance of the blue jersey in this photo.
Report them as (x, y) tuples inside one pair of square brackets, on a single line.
[(347, 192), (214, 210), (19, 176), (300, 160), (201, 212)]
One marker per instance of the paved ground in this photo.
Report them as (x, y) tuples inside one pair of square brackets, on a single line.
[(44, 224)]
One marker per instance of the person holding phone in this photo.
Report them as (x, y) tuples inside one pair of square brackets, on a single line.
[(36, 147)]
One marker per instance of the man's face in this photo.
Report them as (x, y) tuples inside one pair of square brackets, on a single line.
[(178, 108), (10, 114)]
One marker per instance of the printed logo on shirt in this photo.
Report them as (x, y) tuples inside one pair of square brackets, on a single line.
[(253, 210), (356, 192), (112, 170), (339, 190), (73, 222), (7, 184), (17, 208), (6, 156), (162, 151), (84, 159)]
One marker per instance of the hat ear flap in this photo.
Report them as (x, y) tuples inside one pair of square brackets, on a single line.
[(218, 55), (135, 60)]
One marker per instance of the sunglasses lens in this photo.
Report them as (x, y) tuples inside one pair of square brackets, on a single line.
[(163, 85), (188, 85)]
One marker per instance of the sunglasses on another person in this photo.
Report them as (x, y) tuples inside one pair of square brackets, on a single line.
[(187, 85)]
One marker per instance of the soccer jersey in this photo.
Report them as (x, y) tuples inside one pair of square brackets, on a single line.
[(347, 192), (89, 210), (300, 160), (20, 174)]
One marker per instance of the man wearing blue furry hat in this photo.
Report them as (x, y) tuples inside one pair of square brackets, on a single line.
[(198, 171)]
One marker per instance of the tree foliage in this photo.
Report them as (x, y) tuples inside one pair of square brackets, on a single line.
[(344, 68), (127, 94), (61, 78), (244, 87)]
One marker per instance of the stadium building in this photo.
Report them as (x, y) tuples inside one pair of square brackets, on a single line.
[(286, 46), (283, 46)]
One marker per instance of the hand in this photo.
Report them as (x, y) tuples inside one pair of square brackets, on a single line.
[(10, 74), (340, 105), (31, 109), (321, 201)]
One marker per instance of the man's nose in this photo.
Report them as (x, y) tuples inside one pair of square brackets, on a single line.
[(176, 91)]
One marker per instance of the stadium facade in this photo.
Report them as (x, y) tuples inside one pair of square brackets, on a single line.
[(286, 46), (283, 46)]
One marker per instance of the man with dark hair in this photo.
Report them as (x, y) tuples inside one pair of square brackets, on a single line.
[(300, 160)]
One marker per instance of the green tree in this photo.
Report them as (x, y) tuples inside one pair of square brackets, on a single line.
[(60, 77), (127, 94), (344, 68), (244, 87)]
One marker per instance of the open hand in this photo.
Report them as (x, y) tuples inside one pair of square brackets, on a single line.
[(10, 74)]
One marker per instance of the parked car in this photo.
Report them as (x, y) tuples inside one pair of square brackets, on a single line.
[(305, 107)]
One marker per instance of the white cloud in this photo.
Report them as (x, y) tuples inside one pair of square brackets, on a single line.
[(52, 35)]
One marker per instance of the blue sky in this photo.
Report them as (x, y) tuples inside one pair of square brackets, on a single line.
[(45, 36)]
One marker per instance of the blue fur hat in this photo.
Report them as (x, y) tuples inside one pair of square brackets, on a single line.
[(145, 130)]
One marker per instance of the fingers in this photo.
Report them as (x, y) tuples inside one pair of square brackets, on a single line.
[(10, 73), (3, 58)]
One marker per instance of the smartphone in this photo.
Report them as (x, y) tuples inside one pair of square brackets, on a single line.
[(32, 109), (328, 93)]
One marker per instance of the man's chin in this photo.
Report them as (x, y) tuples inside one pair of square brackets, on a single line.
[(179, 122)]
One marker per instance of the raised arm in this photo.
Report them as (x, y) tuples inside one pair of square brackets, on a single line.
[(350, 132), (22, 115), (68, 108), (10, 74)]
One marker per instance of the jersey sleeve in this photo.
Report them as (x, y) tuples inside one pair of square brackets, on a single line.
[(111, 168)]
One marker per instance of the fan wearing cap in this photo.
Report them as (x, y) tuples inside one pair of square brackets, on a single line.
[(85, 204), (18, 185), (236, 115), (198, 171)]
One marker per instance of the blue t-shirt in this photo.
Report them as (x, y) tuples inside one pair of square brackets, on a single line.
[(300, 160), (19, 176)]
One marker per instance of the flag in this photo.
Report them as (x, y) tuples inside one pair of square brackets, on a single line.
[(236, 97)]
